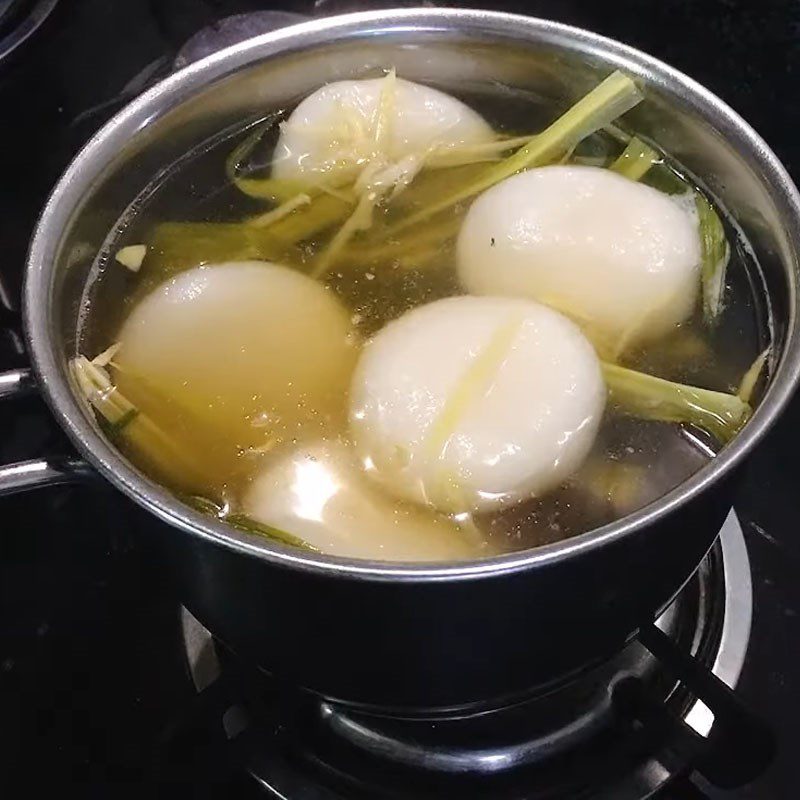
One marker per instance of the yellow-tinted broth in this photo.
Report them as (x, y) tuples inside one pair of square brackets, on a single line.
[(632, 462)]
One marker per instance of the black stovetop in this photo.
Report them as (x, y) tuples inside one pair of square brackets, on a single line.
[(91, 670)]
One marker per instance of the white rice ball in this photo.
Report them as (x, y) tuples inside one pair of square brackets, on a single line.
[(318, 494), (472, 402), (252, 351), (329, 134), (619, 257)]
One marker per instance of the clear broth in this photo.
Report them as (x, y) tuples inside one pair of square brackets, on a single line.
[(633, 462)]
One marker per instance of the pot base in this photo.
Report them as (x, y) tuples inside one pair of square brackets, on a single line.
[(583, 736)]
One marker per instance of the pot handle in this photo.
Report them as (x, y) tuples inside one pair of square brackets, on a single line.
[(16, 383), (38, 472)]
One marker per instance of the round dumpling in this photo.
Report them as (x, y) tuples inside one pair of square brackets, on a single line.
[(618, 257), (472, 402), (330, 134), (318, 494), (250, 352)]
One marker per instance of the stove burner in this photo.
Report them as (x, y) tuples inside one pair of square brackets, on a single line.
[(549, 746)]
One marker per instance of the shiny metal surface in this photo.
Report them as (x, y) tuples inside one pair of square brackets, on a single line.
[(729, 658), (465, 760), (411, 635), (35, 473), (16, 383), (201, 654), (39, 473)]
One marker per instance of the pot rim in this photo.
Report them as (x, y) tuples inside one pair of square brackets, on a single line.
[(99, 151)]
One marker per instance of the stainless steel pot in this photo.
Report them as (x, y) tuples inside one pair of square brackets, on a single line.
[(392, 635)]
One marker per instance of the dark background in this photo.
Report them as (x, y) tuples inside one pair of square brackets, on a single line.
[(89, 660)]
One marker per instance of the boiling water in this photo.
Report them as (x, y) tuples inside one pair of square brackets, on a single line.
[(632, 463)]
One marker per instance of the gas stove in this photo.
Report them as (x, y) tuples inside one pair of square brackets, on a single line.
[(628, 729), (110, 687)]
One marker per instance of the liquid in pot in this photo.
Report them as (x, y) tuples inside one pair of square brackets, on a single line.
[(242, 403)]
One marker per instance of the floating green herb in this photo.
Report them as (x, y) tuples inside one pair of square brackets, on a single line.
[(613, 97), (648, 397), (241, 522), (715, 253), (636, 160), (433, 233), (263, 188), (123, 420), (752, 376), (202, 504)]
